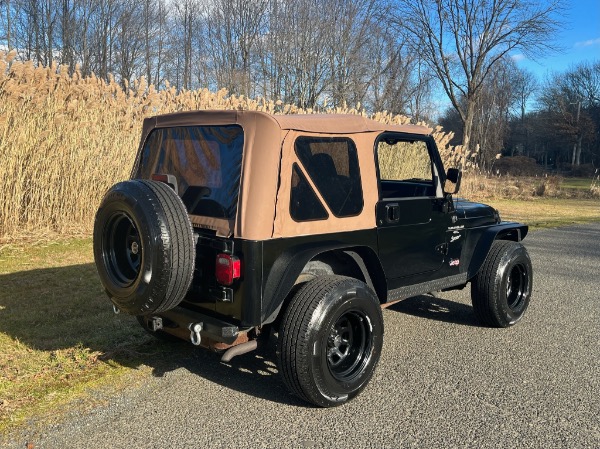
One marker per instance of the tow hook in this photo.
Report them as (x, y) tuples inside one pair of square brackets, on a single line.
[(195, 337), (155, 323), (116, 310)]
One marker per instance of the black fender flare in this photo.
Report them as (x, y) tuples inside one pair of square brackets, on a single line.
[(502, 231), (289, 265)]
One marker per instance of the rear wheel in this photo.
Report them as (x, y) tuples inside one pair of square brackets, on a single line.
[(501, 291), (144, 247), (330, 340)]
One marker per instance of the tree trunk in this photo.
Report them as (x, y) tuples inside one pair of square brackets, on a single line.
[(578, 157), (468, 126)]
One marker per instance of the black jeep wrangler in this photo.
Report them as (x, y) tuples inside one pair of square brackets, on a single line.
[(236, 224)]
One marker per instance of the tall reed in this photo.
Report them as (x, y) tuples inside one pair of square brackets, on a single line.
[(65, 139)]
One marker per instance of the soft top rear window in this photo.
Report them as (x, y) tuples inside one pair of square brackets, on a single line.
[(205, 160)]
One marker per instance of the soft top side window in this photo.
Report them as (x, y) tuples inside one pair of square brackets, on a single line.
[(304, 204), (332, 164)]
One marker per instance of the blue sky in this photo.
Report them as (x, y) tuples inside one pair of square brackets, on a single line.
[(580, 39)]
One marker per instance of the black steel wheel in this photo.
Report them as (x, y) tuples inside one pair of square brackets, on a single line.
[(501, 291), (517, 287), (330, 340), (144, 247), (348, 345), (123, 249)]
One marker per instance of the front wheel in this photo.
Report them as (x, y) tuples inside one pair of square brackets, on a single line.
[(330, 340), (501, 291)]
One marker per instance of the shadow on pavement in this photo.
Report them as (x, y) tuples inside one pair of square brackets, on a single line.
[(254, 373), (436, 308), (64, 308)]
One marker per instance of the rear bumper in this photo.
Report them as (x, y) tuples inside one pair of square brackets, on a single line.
[(193, 326)]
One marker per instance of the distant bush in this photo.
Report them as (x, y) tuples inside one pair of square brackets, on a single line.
[(517, 166), (579, 171)]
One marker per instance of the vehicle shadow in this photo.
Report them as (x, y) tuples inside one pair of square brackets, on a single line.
[(64, 311), (436, 308), (254, 373)]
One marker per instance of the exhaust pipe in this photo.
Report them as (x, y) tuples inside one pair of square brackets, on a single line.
[(239, 350)]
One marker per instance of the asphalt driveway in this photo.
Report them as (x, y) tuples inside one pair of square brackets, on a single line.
[(442, 380)]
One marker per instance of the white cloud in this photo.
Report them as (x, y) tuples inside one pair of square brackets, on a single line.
[(518, 57), (588, 43)]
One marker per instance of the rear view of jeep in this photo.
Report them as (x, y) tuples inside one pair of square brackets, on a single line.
[(236, 225)]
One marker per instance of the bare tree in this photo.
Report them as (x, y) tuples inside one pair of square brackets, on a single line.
[(461, 40), (524, 85), (307, 52), (492, 120), (352, 23), (234, 29), (293, 63), (572, 100)]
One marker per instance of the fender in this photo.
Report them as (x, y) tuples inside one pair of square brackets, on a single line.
[(481, 239), (289, 265)]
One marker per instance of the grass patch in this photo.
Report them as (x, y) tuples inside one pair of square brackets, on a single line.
[(485, 187), (548, 212), (58, 334), (577, 183), (59, 339)]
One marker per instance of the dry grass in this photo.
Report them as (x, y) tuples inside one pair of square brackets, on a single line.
[(65, 139), (477, 186)]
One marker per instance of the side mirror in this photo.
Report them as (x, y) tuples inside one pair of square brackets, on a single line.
[(453, 176)]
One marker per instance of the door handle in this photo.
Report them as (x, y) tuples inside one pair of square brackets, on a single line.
[(392, 212)]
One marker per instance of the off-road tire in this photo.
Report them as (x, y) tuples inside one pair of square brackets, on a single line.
[(144, 247), (330, 340), (501, 291)]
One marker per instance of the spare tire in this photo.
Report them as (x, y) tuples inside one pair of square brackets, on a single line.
[(144, 247)]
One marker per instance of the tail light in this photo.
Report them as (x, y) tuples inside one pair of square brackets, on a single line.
[(228, 269)]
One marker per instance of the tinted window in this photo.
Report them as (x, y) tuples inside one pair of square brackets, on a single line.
[(206, 160), (332, 164), (304, 203)]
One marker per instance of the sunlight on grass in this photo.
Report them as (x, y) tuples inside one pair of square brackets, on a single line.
[(577, 183), (547, 213), (57, 330)]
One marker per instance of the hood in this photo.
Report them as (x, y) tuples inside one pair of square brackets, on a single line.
[(476, 214)]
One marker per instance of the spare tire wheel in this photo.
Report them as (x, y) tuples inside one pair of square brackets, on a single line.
[(144, 247)]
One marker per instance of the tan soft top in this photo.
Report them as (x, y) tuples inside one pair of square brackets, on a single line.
[(313, 123), (264, 147)]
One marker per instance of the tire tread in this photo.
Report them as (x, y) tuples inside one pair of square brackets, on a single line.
[(293, 346), (485, 288)]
